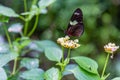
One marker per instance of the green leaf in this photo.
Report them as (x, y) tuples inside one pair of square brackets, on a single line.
[(79, 73), (52, 74), (25, 43), (117, 78), (87, 64), (6, 11), (34, 11), (5, 58), (53, 53), (43, 11), (4, 18), (33, 74), (3, 75), (14, 77), (25, 13), (29, 63), (16, 28), (44, 3), (41, 45), (4, 48)]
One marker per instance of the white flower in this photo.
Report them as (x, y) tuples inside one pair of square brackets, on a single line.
[(76, 40), (67, 37), (66, 42), (111, 47)]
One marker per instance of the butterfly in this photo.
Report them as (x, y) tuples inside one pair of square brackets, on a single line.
[(75, 26)]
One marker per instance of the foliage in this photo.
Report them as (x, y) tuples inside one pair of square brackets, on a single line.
[(32, 31)]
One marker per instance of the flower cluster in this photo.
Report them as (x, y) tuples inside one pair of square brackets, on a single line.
[(111, 48), (67, 43)]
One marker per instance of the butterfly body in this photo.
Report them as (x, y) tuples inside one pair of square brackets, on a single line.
[(75, 26)]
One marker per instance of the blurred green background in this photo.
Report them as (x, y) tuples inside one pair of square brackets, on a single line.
[(101, 25)]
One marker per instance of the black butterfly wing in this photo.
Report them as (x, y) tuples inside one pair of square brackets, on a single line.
[(75, 26), (76, 30)]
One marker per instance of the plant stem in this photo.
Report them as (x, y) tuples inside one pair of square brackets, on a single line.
[(64, 64), (26, 27), (27, 21), (107, 75), (15, 65), (21, 34), (62, 54), (68, 56), (25, 5), (105, 65), (8, 37), (35, 25), (34, 2), (22, 18)]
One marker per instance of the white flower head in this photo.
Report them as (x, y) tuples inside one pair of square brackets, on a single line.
[(67, 37), (66, 42), (111, 48), (76, 40)]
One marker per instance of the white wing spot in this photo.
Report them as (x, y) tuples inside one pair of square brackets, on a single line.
[(77, 13), (73, 22)]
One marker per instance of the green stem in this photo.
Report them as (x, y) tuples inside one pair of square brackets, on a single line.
[(34, 2), (27, 21), (64, 62), (25, 5), (62, 66), (62, 54), (8, 37), (22, 18), (26, 28), (107, 75), (15, 65), (105, 65), (68, 56), (35, 25), (21, 34)]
